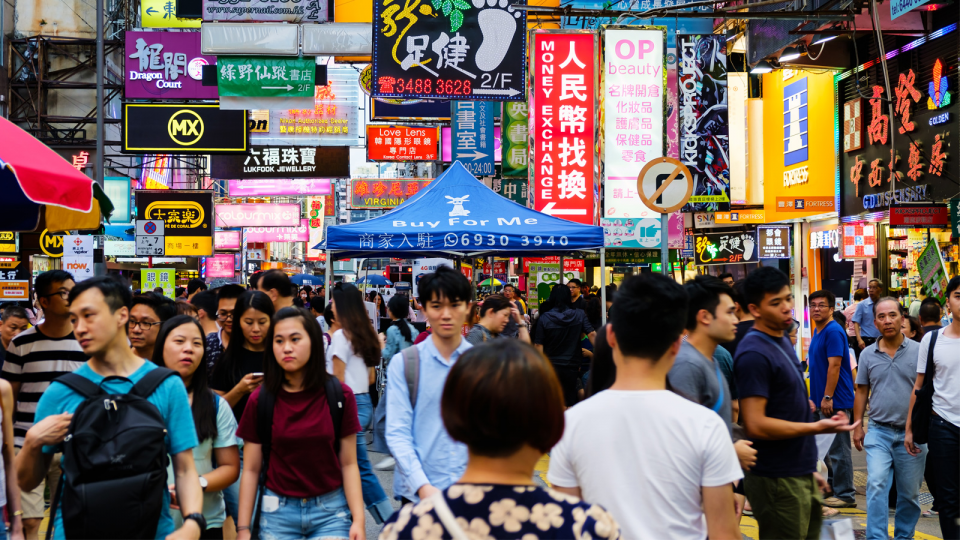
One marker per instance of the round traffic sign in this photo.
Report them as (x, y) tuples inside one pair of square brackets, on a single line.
[(665, 185), (149, 227)]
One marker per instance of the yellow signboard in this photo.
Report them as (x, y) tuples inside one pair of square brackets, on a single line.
[(163, 14), (188, 246), (51, 244), (8, 242)]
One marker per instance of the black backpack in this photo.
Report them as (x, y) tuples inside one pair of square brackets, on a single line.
[(114, 462), (265, 404)]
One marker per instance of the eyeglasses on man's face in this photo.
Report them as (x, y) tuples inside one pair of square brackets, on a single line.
[(143, 325), (62, 293)]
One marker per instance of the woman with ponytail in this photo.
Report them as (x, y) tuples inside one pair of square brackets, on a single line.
[(401, 333)]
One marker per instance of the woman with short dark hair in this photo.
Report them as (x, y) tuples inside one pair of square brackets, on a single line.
[(504, 403)]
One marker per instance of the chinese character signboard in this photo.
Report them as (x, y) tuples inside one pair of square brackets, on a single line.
[(921, 167), (165, 65), (316, 210), (930, 216), (294, 11), (266, 76), (515, 144), (15, 280), (284, 162), (258, 215), (933, 272), (704, 128), (774, 241), (383, 193), (569, 265), (472, 135), (632, 257), (726, 248), (446, 138), (221, 265), (9, 242), (448, 49), (859, 241), (513, 188), (634, 101), (163, 14), (269, 188), (226, 240), (402, 143), (187, 219), (183, 129), (334, 120), (279, 234), (151, 278), (563, 90), (630, 232)]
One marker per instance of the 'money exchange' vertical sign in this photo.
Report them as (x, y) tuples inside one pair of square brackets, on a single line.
[(563, 109)]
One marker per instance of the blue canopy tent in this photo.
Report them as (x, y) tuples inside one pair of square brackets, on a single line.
[(457, 216)]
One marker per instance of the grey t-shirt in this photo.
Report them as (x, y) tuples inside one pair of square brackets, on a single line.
[(698, 379), (891, 381)]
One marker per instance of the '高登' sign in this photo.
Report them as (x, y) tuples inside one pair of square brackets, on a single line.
[(563, 121), (183, 129), (165, 65), (187, 218), (449, 49), (284, 162), (266, 76)]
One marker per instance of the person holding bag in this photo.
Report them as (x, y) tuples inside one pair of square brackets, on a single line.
[(300, 429)]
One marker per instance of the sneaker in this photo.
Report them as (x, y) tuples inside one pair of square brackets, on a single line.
[(834, 502), (386, 464)]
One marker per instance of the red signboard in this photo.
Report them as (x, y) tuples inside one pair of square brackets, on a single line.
[(563, 120), (402, 143), (935, 216), (499, 267), (568, 264)]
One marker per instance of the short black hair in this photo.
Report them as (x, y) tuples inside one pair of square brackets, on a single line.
[(328, 314), (276, 280), (44, 282), (229, 291), (655, 303), (495, 302), (207, 301), (196, 284), (575, 281), (164, 307), (724, 276), (510, 285), (840, 318), (823, 293), (115, 292), (953, 285), (308, 288), (445, 282), (930, 310), (703, 292), (255, 279), (11, 312), (317, 303), (761, 282)]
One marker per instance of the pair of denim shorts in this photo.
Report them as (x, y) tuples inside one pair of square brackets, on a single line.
[(326, 516)]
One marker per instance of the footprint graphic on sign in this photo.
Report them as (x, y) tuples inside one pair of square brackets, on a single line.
[(498, 27)]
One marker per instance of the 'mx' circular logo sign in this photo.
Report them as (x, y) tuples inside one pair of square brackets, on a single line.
[(185, 127)]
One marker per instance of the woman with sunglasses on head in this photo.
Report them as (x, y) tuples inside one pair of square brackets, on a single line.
[(180, 347), (312, 483)]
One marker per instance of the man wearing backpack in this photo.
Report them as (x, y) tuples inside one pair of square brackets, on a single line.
[(117, 490)]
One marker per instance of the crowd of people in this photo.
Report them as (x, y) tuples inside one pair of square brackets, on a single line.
[(137, 416)]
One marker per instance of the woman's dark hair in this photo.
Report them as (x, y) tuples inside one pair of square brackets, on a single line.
[(328, 315), (229, 359), (315, 371), (352, 316), (494, 302), (205, 402), (399, 306), (915, 327), (560, 297), (840, 318), (594, 311), (382, 308), (501, 396), (602, 369)]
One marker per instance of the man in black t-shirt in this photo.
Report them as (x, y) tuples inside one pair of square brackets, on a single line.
[(576, 299)]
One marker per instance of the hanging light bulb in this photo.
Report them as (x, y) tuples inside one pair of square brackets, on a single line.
[(762, 67)]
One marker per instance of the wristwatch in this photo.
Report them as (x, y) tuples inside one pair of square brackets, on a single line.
[(201, 521), (203, 483), (828, 398)]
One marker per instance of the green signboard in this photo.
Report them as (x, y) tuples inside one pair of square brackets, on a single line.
[(933, 273), (266, 76), (514, 189), (955, 219), (151, 278), (514, 149), (614, 257)]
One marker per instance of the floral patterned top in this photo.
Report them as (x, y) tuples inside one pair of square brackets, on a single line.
[(502, 512)]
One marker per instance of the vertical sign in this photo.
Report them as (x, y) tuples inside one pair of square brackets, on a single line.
[(795, 123), (472, 133), (315, 213), (514, 147), (704, 127), (634, 101), (955, 219), (515, 189), (933, 273), (562, 98)]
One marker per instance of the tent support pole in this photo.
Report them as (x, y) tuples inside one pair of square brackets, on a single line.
[(328, 282), (561, 269), (664, 244), (603, 286), (473, 275)]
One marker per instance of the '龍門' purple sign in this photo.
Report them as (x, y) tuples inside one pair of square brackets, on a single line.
[(267, 188), (165, 65)]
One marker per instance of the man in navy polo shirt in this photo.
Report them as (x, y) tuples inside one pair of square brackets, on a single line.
[(831, 390)]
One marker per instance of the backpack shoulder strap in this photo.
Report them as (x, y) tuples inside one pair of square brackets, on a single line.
[(149, 383), (931, 365), (334, 392), (411, 372), (265, 404), (80, 385)]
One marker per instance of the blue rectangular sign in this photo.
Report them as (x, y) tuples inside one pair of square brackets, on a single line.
[(472, 133), (899, 7)]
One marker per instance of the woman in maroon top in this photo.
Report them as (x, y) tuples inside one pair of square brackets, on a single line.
[(311, 491)]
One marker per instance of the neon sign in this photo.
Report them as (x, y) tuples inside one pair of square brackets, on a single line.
[(939, 88), (942, 118)]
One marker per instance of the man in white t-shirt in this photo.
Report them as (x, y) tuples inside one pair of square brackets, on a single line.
[(943, 449), (662, 465)]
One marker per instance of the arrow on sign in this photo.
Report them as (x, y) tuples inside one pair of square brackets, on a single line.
[(287, 88), (151, 11), (475, 155), (549, 209), (485, 91)]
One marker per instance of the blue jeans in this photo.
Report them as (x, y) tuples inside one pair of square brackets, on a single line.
[(373, 495), (840, 462), (284, 518), (944, 460), (886, 457)]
